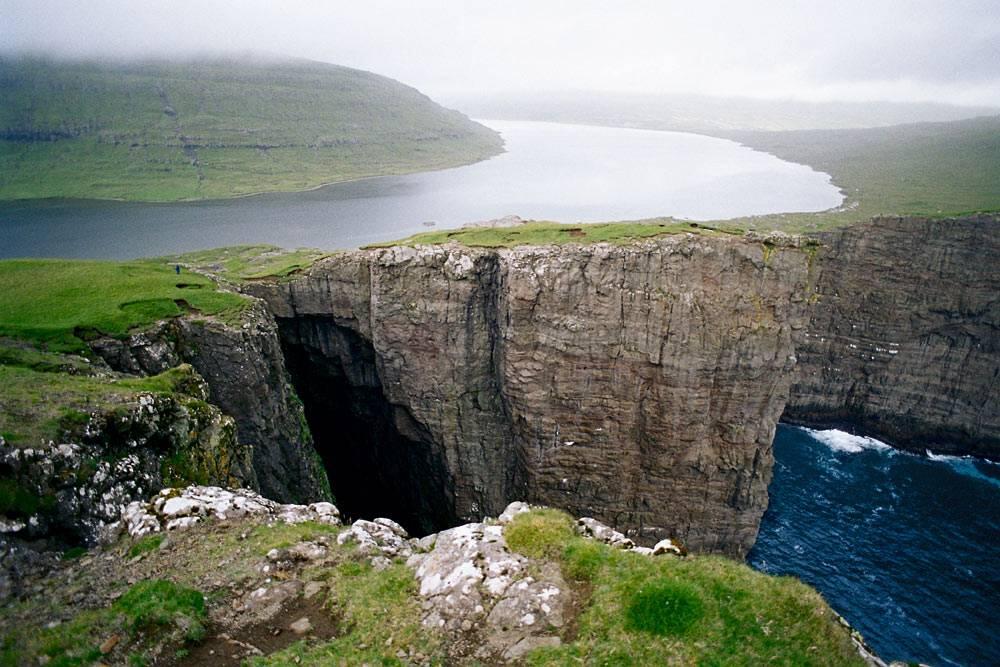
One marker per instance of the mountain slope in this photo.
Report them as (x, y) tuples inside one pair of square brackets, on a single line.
[(920, 168), (211, 128)]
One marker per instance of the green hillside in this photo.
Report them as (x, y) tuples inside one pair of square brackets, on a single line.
[(921, 168), (165, 130)]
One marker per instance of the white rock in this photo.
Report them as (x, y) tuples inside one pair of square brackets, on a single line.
[(301, 626), (180, 506), (512, 510), (177, 509), (666, 547), (589, 527)]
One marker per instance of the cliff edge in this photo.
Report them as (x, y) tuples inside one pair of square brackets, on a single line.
[(640, 384)]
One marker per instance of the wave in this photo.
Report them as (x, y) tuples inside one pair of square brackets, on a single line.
[(970, 466), (981, 469), (841, 441)]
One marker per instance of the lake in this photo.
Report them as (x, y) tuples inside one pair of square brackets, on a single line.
[(550, 171)]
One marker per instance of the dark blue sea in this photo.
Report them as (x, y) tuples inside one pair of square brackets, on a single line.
[(905, 547)]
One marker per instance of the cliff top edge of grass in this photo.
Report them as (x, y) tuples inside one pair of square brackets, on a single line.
[(59, 303)]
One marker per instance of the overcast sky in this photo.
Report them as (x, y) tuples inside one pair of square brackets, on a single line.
[(945, 50)]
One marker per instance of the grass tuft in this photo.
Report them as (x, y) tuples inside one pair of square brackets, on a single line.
[(145, 544), (540, 533), (158, 603), (667, 608)]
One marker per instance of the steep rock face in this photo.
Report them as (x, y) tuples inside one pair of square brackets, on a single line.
[(903, 341), (639, 384), (245, 371)]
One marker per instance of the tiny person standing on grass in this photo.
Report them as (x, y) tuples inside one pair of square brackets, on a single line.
[(177, 269)]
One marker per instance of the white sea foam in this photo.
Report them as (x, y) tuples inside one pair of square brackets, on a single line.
[(840, 441), (967, 465)]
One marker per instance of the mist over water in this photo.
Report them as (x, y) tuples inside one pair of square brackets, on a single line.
[(904, 546), (566, 173)]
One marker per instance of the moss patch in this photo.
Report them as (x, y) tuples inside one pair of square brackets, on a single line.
[(668, 608)]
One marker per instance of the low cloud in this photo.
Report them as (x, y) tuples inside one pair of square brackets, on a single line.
[(851, 50)]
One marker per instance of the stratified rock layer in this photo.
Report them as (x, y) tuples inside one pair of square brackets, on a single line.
[(903, 341), (639, 384)]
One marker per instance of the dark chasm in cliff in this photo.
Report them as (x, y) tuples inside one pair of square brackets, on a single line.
[(380, 461)]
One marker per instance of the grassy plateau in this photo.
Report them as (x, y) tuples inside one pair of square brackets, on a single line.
[(60, 303), (928, 169), (49, 309)]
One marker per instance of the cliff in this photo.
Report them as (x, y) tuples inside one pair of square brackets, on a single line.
[(241, 362), (903, 340), (640, 384)]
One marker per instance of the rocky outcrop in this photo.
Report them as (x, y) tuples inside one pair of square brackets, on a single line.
[(637, 384), (903, 340), (180, 508), (481, 594), (75, 492), (243, 365)]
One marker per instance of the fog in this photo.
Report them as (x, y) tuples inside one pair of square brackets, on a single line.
[(851, 50)]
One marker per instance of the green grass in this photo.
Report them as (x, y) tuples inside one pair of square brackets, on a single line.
[(554, 233), (380, 613), (36, 406), (541, 533), (928, 169), (59, 303), (145, 544), (25, 355), (250, 262), (703, 610), (214, 128), (158, 603), (147, 611)]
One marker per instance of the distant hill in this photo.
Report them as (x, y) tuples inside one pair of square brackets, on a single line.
[(703, 113), (213, 128), (917, 168)]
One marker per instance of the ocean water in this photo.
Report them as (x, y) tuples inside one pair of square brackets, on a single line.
[(906, 547)]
